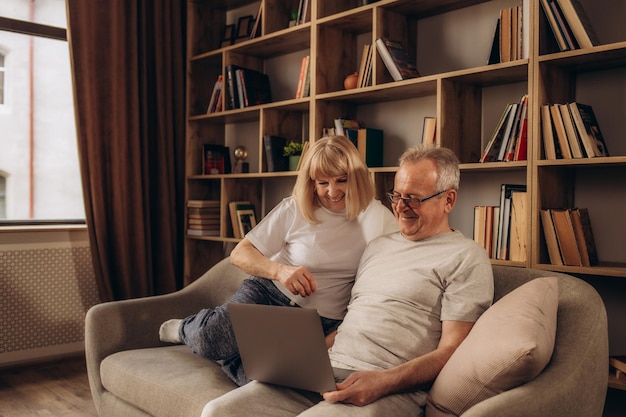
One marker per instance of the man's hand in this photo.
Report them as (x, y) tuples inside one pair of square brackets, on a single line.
[(359, 388)]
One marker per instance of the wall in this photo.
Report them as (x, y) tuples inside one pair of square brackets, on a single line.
[(47, 285)]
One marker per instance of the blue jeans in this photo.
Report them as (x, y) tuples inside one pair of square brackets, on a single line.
[(209, 332)]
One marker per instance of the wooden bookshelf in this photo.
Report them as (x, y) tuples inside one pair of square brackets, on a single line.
[(451, 41)]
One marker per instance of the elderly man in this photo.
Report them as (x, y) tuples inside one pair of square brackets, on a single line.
[(416, 297)]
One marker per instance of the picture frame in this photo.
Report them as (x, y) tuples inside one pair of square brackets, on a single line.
[(244, 27), (228, 35), (246, 220), (215, 160)]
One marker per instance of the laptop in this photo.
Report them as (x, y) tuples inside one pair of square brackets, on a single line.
[(282, 346)]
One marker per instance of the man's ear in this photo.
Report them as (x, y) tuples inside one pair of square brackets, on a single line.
[(450, 200)]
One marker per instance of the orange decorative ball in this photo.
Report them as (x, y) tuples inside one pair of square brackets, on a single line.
[(350, 82)]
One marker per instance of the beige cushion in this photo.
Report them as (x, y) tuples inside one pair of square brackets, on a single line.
[(510, 344)]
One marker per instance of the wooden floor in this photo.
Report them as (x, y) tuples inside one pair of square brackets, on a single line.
[(60, 389), (54, 389)]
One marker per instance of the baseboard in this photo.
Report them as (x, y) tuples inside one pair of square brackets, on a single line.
[(48, 353)]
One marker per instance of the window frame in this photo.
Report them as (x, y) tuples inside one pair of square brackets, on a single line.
[(42, 31)]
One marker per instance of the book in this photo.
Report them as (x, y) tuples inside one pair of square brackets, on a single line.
[(304, 12), (526, 29), (363, 64), (494, 55), (588, 129), (519, 225), (559, 129), (303, 68), (256, 27), (306, 87), (342, 123), (566, 31), (367, 77), (494, 232), (485, 220), (480, 225), (203, 217), (570, 131), (276, 161), (547, 133), (215, 94), (556, 30), (504, 221), (495, 141), (215, 159), (516, 132), (549, 233), (255, 87), (232, 209), (203, 232), (566, 237), (505, 34), (429, 130), (370, 146), (521, 148), (584, 236), (233, 92), (579, 23), (396, 58), (508, 130)]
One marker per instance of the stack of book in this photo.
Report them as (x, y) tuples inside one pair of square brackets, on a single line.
[(569, 237), (304, 79), (571, 131), (570, 24), (511, 38), (508, 142), (215, 103), (368, 141), (304, 12), (203, 217), (397, 59), (501, 230), (365, 68), (247, 87)]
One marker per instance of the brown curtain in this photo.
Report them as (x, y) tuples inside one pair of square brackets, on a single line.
[(128, 60)]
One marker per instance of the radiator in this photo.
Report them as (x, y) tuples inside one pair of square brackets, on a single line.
[(46, 286)]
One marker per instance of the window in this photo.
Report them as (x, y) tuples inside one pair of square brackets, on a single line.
[(38, 148), (1, 78)]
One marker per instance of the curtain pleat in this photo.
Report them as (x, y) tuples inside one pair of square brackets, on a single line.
[(128, 61)]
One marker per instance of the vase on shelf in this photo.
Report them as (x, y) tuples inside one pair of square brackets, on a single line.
[(294, 160)]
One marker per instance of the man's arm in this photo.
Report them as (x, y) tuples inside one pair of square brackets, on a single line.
[(362, 388)]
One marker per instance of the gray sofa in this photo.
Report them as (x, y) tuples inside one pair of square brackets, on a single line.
[(131, 373)]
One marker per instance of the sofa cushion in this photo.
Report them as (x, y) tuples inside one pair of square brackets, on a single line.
[(166, 381), (510, 344)]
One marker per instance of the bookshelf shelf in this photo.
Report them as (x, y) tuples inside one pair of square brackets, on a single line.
[(457, 87)]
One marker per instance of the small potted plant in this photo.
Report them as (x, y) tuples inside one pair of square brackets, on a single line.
[(293, 150), (293, 18)]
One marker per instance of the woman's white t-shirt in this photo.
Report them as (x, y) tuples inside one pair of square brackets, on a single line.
[(330, 249)]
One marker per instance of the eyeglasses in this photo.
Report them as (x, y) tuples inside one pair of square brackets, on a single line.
[(412, 202)]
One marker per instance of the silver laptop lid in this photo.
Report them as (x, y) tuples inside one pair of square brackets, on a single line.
[(283, 346)]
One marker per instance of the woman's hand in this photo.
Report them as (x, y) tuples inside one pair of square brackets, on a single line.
[(297, 279)]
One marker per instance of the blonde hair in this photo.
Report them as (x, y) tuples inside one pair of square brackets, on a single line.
[(333, 156)]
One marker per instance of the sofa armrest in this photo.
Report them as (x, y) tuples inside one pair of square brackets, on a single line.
[(134, 324), (574, 383)]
